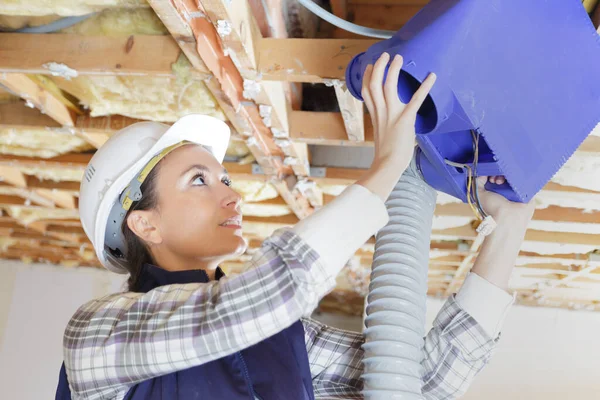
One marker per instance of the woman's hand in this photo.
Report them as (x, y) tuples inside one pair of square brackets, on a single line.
[(393, 124), (393, 121), (503, 210), (500, 249)]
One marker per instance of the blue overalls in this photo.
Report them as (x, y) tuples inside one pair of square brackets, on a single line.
[(276, 368)]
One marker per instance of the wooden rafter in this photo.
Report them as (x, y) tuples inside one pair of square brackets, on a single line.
[(293, 60), (239, 35), (296, 60), (465, 266), (228, 90), (327, 128), (352, 111), (94, 55), (37, 96)]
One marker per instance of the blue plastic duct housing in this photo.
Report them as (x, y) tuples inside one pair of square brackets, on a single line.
[(524, 76)]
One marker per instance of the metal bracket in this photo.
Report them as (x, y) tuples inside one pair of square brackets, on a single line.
[(257, 169), (318, 172)]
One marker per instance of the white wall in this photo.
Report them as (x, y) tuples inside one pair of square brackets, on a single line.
[(36, 303), (544, 354)]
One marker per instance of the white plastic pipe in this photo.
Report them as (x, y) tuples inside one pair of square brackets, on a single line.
[(395, 322), (343, 24)]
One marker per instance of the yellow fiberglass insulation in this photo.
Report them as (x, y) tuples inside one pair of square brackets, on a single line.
[(64, 7), (120, 22), (55, 174), (28, 215), (254, 191), (265, 210), (150, 98), (144, 97), (40, 142)]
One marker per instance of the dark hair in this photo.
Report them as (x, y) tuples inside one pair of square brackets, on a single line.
[(138, 253)]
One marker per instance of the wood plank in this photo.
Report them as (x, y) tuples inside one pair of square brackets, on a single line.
[(58, 197), (181, 32), (325, 128), (71, 187), (339, 8), (17, 114), (89, 55), (390, 17), (352, 111), (468, 233), (38, 97), (552, 213), (68, 161), (296, 60), (13, 176), (465, 266), (239, 35), (239, 32), (245, 116)]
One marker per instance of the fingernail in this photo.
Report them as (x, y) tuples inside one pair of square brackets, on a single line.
[(397, 57)]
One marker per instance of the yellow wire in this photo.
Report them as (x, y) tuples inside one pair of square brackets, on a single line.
[(469, 184)]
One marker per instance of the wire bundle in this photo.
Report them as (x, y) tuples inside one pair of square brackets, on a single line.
[(472, 189)]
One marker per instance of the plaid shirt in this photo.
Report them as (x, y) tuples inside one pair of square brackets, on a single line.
[(114, 342)]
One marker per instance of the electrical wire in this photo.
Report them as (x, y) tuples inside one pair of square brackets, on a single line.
[(475, 137), (53, 26), (470, 199), (343, 24)]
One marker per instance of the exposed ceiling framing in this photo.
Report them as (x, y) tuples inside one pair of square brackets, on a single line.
[(253, 81)]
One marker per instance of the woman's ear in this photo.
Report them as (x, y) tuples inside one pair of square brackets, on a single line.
[(144, 225)]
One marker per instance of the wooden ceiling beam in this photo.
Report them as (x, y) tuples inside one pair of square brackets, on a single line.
[(468, 233), (65, 161), (296, 60), (328, 128), (239, 34), (39, 97), (352, 111), (246, 172), (292, 60), (228, 89), (71, 55)]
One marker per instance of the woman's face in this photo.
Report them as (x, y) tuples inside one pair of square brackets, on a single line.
[(198, 216)]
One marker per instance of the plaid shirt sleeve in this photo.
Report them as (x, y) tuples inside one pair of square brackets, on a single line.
[(119, 340), (456, 349)]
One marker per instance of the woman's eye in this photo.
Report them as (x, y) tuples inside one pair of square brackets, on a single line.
[(198, 180), (227, 181)]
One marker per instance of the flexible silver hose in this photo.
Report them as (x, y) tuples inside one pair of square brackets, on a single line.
[(395, 321), (343, 24)]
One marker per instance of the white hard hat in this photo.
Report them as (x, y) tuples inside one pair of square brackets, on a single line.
[(127, 155)]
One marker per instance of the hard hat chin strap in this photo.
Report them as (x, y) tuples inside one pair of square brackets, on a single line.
[(114, 240)]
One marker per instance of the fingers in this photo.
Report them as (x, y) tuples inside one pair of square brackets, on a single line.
[(391, 83), (376, 87), (366, 95), (496, 180), (421, 94)]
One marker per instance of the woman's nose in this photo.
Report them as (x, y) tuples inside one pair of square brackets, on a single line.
[(232, 199)]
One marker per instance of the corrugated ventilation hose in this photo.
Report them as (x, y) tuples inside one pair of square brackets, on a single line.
[(395, 321)]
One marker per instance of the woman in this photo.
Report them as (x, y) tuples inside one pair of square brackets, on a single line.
[(156, 204)]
